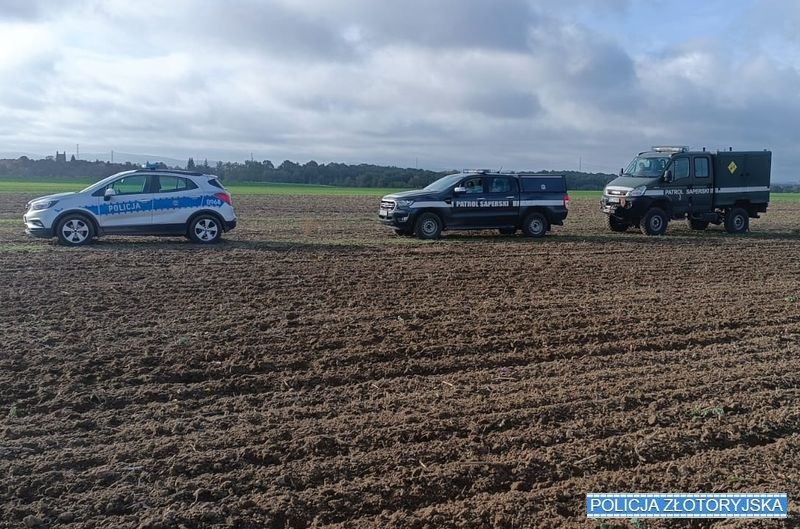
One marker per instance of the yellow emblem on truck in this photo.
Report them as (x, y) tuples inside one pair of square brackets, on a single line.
[(732, 167)]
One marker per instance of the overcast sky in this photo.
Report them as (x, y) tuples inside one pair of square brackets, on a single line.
[(438, 83)]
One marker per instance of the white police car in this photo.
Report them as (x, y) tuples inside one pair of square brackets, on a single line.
[(140, 202)]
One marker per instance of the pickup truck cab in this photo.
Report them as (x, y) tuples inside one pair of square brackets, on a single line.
[(479, 200)]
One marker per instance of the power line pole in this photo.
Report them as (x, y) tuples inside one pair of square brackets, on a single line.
[(77, 151)]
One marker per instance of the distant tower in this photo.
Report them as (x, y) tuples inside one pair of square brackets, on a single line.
[(61, 156)]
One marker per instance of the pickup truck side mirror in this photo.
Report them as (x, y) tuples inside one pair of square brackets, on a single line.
[(109, 193), (459, 190), (668, 176)]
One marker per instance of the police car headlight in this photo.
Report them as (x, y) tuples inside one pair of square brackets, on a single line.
[(637, 191), (404, 203), (44, 204)]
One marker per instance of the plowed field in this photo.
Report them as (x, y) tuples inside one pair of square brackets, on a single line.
[(315, 370)]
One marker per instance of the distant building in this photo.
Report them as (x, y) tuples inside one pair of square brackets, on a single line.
[(61, 156)]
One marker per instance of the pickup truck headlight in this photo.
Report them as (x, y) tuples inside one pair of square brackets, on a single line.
[(42, 204), (404, 203), (637, 191)]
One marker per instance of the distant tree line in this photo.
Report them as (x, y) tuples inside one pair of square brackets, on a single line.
[(333, 174)]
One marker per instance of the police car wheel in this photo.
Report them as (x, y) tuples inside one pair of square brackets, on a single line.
[(508, 231), (535, 225), (698, 225), (205, 229), (617, 225), (737, 221), (428, 226), (654, 222), (74, 230)]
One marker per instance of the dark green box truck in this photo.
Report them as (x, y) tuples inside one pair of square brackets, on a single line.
[(671, 183)]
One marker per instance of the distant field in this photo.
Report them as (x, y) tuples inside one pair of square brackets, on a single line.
[(44, 187)]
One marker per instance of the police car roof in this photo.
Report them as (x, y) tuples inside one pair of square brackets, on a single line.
[(172, 171)]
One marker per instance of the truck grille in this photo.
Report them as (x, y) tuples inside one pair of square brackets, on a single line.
[(616, 192), (387, 204)]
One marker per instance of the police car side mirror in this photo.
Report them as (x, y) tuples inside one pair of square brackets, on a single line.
[(668, 176), (621, 171), (109, 193), (459, 190)]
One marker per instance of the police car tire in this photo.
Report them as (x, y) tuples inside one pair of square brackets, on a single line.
[(205, 229), (74, 230), (535, 225), (617, 225), (508, 231), (737, 221), (654, 222), (428, 226), (698, 225)]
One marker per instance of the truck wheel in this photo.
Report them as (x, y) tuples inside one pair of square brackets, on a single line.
[(508, 231), (654, 222), (428, 226), (617, 225), (74, 230), (698, 225), (737, 221), (401, 233), (535, 225)]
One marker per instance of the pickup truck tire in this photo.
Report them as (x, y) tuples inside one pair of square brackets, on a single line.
[(617, 225), (698, 225), (508, 231), (428, 226), (654, 222), (535, 225), (737, 220)]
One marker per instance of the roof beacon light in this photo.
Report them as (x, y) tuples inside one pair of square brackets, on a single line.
[(670, 148)]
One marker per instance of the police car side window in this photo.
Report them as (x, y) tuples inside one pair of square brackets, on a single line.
[(130, 185), (680, 168), (172, 184)]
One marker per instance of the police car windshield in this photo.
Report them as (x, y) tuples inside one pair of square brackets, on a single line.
[(647, 167), (102, 182), (443, 183)]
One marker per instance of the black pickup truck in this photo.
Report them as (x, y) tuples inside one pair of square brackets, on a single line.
[(479, 200)]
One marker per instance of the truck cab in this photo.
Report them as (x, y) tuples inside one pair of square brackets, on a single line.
[(479, 200), (674, 183)]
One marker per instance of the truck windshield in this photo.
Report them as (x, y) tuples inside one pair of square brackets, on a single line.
[(443, 183), (647, 166)]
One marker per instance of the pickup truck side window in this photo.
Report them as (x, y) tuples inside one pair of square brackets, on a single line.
[(474, 186), (502, 185), (701, 167), (680, 168)]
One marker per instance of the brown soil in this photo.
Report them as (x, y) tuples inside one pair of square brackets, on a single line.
[(315, 370)]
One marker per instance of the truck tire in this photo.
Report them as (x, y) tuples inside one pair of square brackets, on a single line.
[(428, 226), (654, 222), (737, 221), (617, 225), (74, 230), (508, 231), (698, 225), (535, 225)]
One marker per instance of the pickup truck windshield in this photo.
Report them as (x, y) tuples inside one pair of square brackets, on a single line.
[(647, 166), (444, 182)]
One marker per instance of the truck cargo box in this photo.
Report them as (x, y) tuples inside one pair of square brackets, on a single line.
[(740, 176)]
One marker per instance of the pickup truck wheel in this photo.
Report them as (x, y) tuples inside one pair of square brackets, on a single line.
[(74, 230), (654, 222), (428, 226), (617, 225), (737, 221), (698, 225), (535, 225), (508, 231)]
